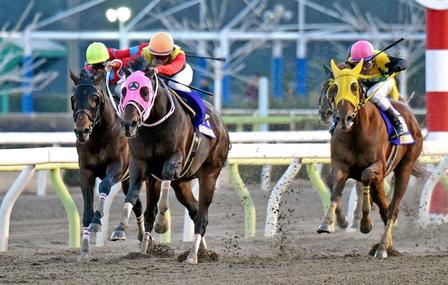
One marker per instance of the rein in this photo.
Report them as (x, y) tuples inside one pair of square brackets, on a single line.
[(170, 112)]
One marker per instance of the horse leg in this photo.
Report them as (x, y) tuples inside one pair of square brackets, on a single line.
[(371, 174), (119, 232), (357, 213), (113, 175), (152, 197), (172, 169), (207, 184), (136, 177), (87, 180), (402, 175), (161, 225), (340, 217), (339, 178)]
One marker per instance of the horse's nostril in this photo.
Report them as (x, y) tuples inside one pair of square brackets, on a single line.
[(134, 124), (86, 131), (349, 119)]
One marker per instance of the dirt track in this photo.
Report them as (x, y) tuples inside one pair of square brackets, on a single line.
[(39, 233)]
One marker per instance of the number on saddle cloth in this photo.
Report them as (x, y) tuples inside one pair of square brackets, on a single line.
[(195, 102)]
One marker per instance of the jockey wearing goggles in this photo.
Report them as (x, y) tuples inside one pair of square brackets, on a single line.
[(377, 76), (170, 60), (98, 56)]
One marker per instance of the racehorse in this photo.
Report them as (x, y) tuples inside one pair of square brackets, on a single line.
[(103, 152), (360, 150), (166, 148)]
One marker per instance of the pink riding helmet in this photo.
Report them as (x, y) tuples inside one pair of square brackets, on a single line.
[(362, 50), (134, 83)]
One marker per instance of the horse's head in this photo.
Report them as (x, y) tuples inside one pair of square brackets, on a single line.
[(87, 103), (347, 100), (136, 103)]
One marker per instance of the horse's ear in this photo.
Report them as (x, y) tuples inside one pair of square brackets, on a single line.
[(357, 69), (334, 68), (127, 72), (73, 77), (99, 77)]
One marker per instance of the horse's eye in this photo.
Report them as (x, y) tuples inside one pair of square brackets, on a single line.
[(144, 92), (354, 87), (94, 100)]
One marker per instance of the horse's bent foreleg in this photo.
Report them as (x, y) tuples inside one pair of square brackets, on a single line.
[(113, 175), (327, 225)]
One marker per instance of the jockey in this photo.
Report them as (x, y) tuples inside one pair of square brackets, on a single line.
[(377, 77), (98, 56), (170, 60)]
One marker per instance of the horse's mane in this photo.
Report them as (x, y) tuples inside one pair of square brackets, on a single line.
[(139, 63)]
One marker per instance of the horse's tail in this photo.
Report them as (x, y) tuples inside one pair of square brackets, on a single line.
[(420, 172)]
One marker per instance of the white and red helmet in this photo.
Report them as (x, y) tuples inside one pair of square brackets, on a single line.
[(362, 50)]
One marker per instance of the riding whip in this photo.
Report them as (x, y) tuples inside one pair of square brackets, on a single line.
[(191, 87), (206, 57), (388, 47)]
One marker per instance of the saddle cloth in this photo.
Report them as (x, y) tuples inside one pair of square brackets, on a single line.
[(393, 139)]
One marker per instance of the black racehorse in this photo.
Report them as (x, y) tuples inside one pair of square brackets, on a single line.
[(103, 151), (166, 152)]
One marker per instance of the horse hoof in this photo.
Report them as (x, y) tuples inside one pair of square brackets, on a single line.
[(380, 253), (325, 228), (85, 248), (94, 228), (118, 235), (365, 229), (161, 228), (192, 259), (344, 223)]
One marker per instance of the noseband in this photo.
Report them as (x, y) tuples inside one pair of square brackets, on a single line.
[(97, 110)]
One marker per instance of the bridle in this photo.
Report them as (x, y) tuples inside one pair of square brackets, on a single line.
[(97, 111)]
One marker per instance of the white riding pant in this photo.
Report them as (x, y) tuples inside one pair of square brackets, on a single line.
[(382, 90), (184, 77)]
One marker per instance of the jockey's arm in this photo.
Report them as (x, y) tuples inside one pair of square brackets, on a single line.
[(396, 64), (174, 66), (125, 53)]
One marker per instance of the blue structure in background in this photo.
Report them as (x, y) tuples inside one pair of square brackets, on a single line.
[(202, 66), (301, 70), (27, 98), (277, 77), (226, 87)]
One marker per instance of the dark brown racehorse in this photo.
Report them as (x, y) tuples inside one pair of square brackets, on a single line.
[(162, 141), (102, 149), (360, 149)]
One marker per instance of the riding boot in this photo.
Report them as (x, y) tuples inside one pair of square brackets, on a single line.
[(397, 121)]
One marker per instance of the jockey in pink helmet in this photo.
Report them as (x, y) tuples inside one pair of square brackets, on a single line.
[(377, 77)]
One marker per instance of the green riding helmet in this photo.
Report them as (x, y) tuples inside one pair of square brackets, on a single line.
[(96, 53)]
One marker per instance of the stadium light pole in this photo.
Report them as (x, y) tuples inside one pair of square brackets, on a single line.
[(121, 14)]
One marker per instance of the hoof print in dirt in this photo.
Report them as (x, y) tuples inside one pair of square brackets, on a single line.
[(203, 256), (161, 250)]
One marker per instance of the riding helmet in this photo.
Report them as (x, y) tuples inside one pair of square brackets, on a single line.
[(96, 53), (161, 44)]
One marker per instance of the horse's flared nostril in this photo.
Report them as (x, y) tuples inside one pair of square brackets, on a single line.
[(134, 124), (86, 131), (349, 119)]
